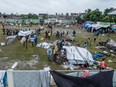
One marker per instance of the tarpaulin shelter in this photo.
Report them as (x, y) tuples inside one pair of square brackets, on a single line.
[(26, 33), (78, 55)]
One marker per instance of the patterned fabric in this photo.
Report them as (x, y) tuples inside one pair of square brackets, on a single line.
[(31, 79)]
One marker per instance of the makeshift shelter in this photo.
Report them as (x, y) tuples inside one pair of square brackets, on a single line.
[(112, 45), (87, 23), (98, 28), (25, 33), (113, 27), (10, 39), (78, 55), (112, 14)]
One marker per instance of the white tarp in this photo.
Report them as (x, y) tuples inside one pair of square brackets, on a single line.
[(112, 43), (97, 26), (78, 54), (25, 33), (11, 37), (1, 78), (44, 45)]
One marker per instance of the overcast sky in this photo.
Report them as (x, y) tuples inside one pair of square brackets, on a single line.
[(53, 6)]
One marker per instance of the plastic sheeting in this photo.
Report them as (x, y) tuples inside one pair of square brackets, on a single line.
[(25, 33), (78, 55), (44, 45), (112, 43), (31, 79), (2, 73)]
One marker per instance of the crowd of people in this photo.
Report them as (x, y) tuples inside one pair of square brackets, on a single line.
[(9, 31), (56, 53)]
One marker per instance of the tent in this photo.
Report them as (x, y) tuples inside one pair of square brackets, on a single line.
[(87, 23), (113, 27), (78, 55)]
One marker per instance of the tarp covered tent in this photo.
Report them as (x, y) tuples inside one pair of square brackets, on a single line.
[(87, 23), (113, 27), (97, 26), (78, 55)]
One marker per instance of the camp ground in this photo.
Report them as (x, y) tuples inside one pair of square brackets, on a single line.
[(69, 50)]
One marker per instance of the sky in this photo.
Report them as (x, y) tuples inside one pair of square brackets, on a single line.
[(53, 6)]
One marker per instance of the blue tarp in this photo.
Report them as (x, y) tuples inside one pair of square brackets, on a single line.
[(113, 28), (85, 25), (98, 55)]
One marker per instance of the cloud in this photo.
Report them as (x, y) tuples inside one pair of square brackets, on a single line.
[(53, 6)]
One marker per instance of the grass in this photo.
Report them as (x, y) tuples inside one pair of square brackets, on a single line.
[(19, 53)]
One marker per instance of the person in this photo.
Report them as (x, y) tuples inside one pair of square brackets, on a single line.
[(103, 64), (67, 32), (55, 48), (63, 33), (49, 53), (85, 73), (56, 58), (49, 35), (94, 39), (32, 40), (61, 44), (64, 60), (74, 32), (62, 52), (85, 45), (46, 34), (35, 39), (22, 41)]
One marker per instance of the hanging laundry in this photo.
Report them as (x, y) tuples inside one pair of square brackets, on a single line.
[(101, 79)]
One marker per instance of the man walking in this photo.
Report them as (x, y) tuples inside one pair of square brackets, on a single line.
[(49, 53)]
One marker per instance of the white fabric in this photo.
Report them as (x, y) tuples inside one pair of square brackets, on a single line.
[(22, 40), (11, 37), (1, 78), (112, 43), (25, 33), (44, 45), (78, 54)]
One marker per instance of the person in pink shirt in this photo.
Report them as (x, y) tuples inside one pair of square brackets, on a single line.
[(103, 64)]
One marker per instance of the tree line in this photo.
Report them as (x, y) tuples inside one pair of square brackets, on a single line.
[(97, 15)]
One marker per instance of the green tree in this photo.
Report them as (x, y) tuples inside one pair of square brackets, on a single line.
[(94, 15), (78, 18), (107, 10), (32, 16)]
